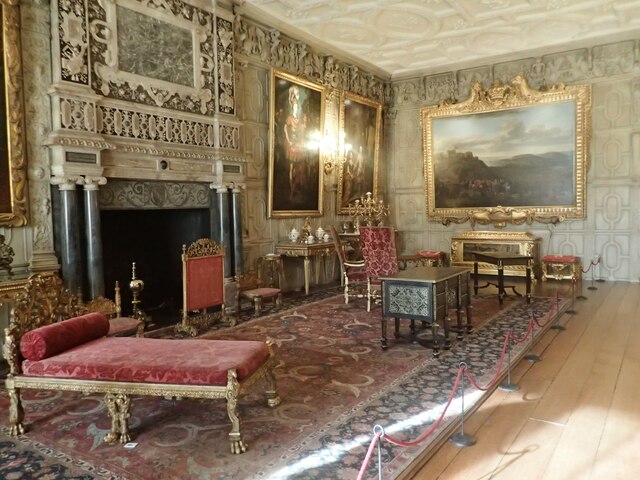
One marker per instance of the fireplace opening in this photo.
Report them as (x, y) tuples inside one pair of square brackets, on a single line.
[(152, 239)]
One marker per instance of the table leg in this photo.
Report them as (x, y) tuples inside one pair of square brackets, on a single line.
[(447, 340), (434, 334), (475, 276), (528, 282), (460, 336), (383, 338), (469, 324), (396, 332), (307, 274), (501, 292), (319, 267)]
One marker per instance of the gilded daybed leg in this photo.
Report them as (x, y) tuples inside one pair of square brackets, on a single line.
[(233, 387), (16, 412), (118, 405)]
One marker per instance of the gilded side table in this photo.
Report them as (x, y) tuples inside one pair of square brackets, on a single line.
[(306, 251)]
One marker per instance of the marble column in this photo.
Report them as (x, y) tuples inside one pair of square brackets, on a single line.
[(93, 234), (220, 225), (70, 237), (236, 228)]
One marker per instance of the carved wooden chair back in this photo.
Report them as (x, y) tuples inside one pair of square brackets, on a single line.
[(380, 257), (353, 276), (202, 283), (263, 283)]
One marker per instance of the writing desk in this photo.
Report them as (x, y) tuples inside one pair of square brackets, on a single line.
[(426, 294)]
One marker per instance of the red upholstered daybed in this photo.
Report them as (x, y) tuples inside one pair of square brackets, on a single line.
[(76, 355)]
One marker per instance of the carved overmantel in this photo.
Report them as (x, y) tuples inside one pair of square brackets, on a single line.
[(144, 90)]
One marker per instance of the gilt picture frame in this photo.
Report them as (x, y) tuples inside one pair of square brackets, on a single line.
[(296, 123), (360, 129), (508, 154), (13, 161)]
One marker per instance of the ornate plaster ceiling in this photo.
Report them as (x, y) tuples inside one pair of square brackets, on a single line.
[(404, 38)]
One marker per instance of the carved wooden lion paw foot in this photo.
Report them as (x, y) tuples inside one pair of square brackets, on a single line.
[(238, 447), (16, 430)]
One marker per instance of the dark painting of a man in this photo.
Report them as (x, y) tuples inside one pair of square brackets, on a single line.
[(296, 126)]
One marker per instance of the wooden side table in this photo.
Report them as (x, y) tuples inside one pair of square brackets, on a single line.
[(500, 260)]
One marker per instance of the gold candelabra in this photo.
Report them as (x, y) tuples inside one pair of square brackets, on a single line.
[(369, 209)]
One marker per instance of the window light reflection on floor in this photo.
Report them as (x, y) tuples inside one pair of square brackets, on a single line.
[(335, 452)]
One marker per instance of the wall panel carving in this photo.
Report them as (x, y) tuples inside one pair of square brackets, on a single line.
[(271, 48), (110, 80), (73, 40)]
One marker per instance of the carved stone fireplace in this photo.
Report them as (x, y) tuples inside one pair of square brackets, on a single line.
[(144, 123)]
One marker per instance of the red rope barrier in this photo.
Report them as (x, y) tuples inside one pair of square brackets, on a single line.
[(425, 435), (526, 335), (498, 370), (591, 264), (401, 443), (367, 459), (542, 325)]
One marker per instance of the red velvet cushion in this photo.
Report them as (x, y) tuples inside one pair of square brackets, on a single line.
[(432, 254), (52, 339), (560, 259), (153, 360), (264, 292), (120, 325)]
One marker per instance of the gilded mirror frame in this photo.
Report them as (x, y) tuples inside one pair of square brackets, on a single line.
[(13, 210), (480, 168)]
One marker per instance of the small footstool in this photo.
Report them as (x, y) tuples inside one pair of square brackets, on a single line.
[(561, 267), (434, 258)]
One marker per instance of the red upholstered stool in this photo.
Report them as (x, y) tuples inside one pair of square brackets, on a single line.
[(434, 258), (561, 267)]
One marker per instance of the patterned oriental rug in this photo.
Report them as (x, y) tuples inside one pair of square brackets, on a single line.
[(335, 383)]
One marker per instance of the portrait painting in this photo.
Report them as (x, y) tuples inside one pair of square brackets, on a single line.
[(360, 121), (295, 164), (516, 155)]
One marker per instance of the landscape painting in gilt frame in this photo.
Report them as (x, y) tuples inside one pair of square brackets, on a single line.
[(360, 121), (508, 154), (295, 129), (13, 162)]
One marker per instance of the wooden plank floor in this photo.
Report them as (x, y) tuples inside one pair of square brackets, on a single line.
[(577, 413)]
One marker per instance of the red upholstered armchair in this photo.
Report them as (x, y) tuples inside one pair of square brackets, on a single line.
[(380, 257), (202, 284), (353, 276)]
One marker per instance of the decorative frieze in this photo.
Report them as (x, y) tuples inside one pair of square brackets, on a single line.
[(128, 123), (73, 40), (614, 59), (229, 137), (226, 93), (122, 194), (575, 66), (77, 114), (269, 46)]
